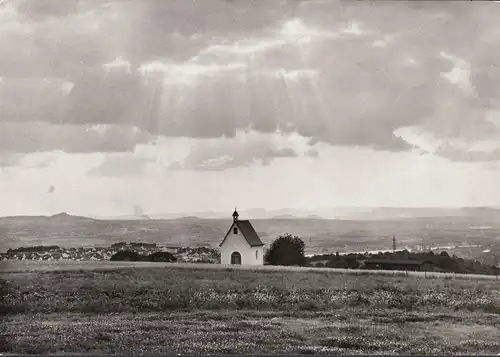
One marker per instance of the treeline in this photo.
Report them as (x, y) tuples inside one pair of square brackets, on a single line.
[(196, 250), (442, 262), (133, 245), (38, 248), (131, 256)]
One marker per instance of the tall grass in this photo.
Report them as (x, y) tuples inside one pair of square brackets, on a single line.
[(34, 266), (167, 289)]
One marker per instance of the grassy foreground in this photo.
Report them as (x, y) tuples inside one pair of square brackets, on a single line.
[(178, 310)]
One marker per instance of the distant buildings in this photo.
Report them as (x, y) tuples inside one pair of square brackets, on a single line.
[(183, 254), (386, 264), (241, 245)]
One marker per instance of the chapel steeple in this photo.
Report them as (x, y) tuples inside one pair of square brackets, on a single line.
[(235, 215)]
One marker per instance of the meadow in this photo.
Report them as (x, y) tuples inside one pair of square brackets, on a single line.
[(195, 309)]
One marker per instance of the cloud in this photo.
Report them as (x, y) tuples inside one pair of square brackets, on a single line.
[(453, 148), (8, 159), (240, 48), (39, 160), (137, 210), (100, 98), (41, 136), (27, 161), (245, 149), (277, 153), (460, 74), (46, 9), (330, 71), (293, 75), (186, 73), (76, 37), (384, 42), (312, 153), (120, 165), (118, 64), (353, 29), (468, 155)]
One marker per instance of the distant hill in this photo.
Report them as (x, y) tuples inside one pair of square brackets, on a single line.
[(285, 216), (384, 213), (189, 218), (68, 217), (63, 217), (470, 214), (346, 213)]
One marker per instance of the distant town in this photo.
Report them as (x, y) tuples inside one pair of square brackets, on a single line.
[(55, 253)]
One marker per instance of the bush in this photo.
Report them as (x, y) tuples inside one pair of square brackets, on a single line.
[(119, 245), (286, 250), (127, 255), (161, 257)]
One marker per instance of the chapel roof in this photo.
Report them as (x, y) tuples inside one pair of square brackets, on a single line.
[(248, 233)]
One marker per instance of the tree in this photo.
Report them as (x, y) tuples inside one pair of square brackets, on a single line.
[(351, 261), (286, 250), (126, 255), (161, 257)]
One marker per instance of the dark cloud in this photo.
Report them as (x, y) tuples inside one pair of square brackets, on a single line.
[(485, 73), (44, 38), (214, 17), (67, 39), (230, 65), (42, 136), (106, 98), (94, 98), (456, 154), (43, 9)]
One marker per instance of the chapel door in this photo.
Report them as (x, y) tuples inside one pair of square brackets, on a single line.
[(236, 258)]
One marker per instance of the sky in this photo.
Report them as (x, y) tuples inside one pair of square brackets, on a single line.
[(111, 108)]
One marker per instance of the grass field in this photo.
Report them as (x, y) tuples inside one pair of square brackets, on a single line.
[(71, 265), (199, 310)]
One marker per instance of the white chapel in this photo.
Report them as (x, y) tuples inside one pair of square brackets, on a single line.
[(242, 244)]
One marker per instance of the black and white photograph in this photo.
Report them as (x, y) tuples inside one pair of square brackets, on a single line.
[(251, 177)]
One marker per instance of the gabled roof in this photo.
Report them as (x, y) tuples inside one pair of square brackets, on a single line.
[(248, 232), (398, 262)]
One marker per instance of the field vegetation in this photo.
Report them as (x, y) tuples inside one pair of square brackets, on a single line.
[(174, 309)]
